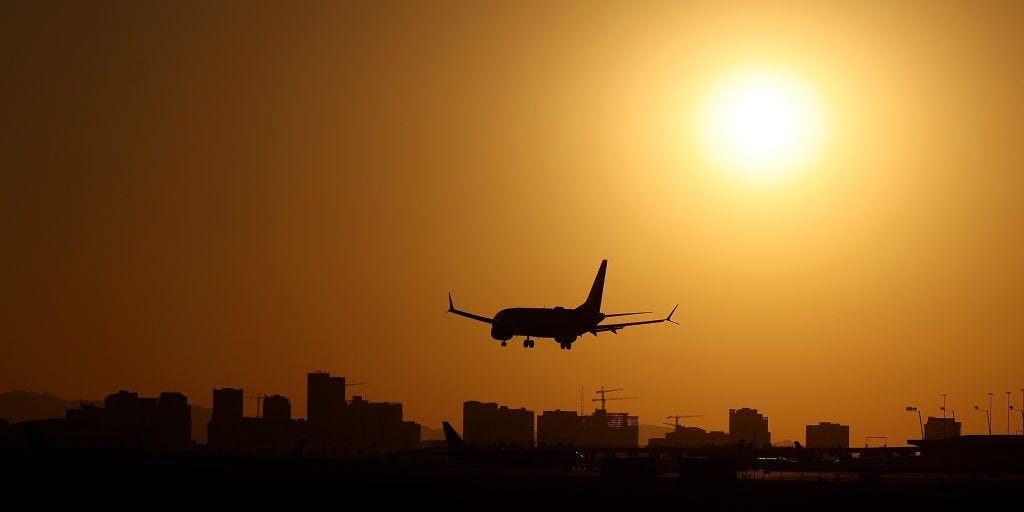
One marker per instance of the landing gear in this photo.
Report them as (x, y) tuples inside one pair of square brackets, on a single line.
[(527, 343), (566, 346), (504, 343)]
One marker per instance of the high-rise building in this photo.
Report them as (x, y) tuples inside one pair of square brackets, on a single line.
[(227, 405), (224, 430), (558, 428), (325, 399), (378, 427), (602, 428), (827, 435), (690, 437), (488, 424), (175, 418), (750, 427), (605, 428), (229, 431), (277, 408), (162, 424)]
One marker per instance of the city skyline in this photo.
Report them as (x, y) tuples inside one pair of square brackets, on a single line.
[(203, 196), (250, 409)]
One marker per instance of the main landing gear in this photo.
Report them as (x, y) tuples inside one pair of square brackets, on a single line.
[(566, 346), (504, 343), (528, 343)]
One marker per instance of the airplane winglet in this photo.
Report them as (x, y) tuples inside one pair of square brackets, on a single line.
[(451, 305), (669, 317)]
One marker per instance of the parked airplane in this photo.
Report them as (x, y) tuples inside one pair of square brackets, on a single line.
[(554, 458), (840, 461), (564, 325)]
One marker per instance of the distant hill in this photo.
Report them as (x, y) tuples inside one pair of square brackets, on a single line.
[(431, 434), (17, 406), (649, 431)]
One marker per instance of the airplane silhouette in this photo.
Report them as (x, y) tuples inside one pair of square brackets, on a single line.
[(563, 325), (512, 457)]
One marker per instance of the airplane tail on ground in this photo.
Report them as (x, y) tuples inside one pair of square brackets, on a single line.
[(801, 452), (455, 443), (593, 302)]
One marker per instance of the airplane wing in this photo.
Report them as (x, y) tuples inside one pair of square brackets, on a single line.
[(615, 327), (451, 309)]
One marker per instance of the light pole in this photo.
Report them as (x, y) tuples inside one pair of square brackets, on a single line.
[(1021, 416), (988, 416), (944, 415), (1008, 409), (919, 422), (951, 411), (990, 395)]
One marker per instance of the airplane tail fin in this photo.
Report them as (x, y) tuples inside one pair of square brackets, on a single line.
[(452, 438), (801, 452), (593, 303)]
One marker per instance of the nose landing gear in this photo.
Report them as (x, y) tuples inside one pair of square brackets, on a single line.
[(528, 343), (504, 343)]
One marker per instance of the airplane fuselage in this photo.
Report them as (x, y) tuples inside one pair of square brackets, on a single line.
[(564, 325)]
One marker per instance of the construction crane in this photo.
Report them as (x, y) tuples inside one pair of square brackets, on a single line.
[(604, 399), (259, 400), (677, 416)]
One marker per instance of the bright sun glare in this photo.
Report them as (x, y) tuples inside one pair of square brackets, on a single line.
[(761, 124)]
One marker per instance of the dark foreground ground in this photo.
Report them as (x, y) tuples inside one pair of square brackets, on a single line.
[(433, 482)]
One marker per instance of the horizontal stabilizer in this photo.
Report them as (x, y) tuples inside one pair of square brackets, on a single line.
[(451, 309), (615, 327), (626, 314)]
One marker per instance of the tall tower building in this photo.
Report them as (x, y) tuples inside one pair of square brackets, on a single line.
[(325, 398), (227, 405), (750, 427), (827, 435), (277, 408)]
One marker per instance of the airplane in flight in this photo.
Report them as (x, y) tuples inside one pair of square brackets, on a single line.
[(563, 325)]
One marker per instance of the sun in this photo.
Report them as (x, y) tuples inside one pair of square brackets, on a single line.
[(761, 124)]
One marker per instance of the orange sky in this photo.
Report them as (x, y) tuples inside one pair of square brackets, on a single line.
[(229, 195)]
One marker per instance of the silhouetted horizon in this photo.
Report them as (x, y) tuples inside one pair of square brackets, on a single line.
[(222, 221), (15, 403)]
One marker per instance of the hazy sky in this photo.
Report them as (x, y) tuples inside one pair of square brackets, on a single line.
[(198, 195)]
